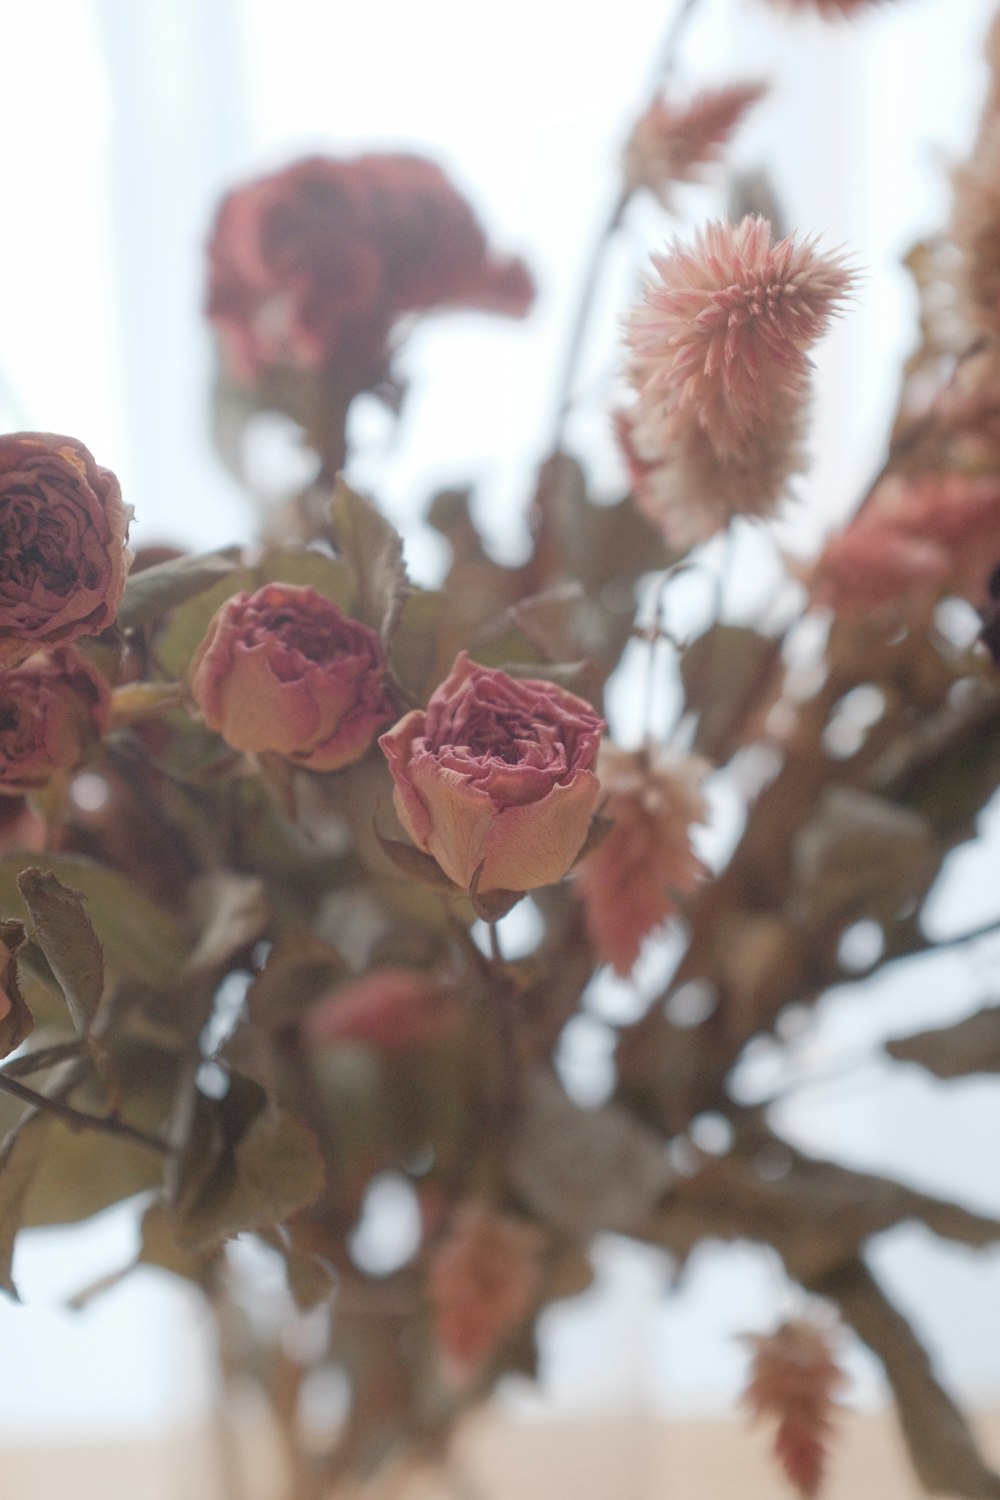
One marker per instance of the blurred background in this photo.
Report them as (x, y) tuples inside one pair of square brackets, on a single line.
[(127, 119)]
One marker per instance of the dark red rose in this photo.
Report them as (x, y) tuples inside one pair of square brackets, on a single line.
[(312, 266), (52, 710), (63, 557)]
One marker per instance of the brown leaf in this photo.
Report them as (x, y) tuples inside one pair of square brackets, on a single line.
[(69, 942), (583, 1170), (970, 1046)]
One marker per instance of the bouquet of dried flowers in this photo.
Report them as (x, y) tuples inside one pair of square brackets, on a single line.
[(269, 815)]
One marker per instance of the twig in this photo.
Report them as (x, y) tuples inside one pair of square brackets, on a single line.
[(663, 68), (107, 1124), (40, 1059)]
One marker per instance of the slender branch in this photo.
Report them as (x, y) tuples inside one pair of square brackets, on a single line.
[(663, 68), (108, 1124), (40, 1059)]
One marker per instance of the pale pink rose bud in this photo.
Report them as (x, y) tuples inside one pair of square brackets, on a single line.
[(670, 144), (497, 777), (630, 882), (283, 672), (53, 709), (63, 529), (483, 1281), (390, 1008)]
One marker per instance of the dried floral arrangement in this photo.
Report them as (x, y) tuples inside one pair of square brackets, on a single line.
[(265, 811)]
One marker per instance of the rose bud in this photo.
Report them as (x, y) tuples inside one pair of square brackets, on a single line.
[(53, 709), (282, 671), (496, 778), (390, 1008), (63, 557)]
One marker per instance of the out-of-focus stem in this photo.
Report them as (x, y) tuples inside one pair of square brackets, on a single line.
[(662, 69)]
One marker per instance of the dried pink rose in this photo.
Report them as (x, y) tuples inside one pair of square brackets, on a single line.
[(389, 1008), (63, 557), (483, 1280), (53, 709), (496, 777), (283, 671), (630, 882), (720, 360), (670, 144)]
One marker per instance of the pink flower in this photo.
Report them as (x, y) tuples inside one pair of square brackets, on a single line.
[(669, 145), (496, 777), (482, 1282), (53, 709), (630, 882), (930, 531), (720, 346), (282, 671), (63, 557), (389, 1008), (312, 266)]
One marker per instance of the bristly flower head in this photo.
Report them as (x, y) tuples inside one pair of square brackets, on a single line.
[(670, 144), (720, 359)]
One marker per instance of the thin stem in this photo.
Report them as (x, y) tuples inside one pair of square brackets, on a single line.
[(42, 1058), (496, 953), (108, 1124), (663, 68)]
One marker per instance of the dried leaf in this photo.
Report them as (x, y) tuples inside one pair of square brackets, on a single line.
[(551, 620), (140, 940), (861, 855), (373, 548), (414, 863), (154, 591), (232, 912), (18, 1022), (69, 942), (243, 1168), (583, 1170), (718, 673)]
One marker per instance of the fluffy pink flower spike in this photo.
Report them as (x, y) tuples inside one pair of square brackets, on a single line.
[(670, 145), (720, 360), (724, 329)]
